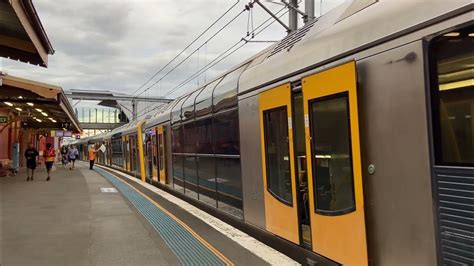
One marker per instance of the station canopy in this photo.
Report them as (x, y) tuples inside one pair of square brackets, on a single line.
[(22, 36), (36, 104)]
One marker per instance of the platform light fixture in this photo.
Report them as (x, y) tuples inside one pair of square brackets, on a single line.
[(20, 97), (18, 109), (8, 103), (39, 110), (44, 114), (39, 120), (30, 104)]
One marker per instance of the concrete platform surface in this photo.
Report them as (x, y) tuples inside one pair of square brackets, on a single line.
[(71, 221)]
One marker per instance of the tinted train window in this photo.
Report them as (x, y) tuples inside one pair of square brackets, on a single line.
[(189, 138), (226, 133), (204, 136), (332, 161), (177, 140), (277, 153), (452, 95)]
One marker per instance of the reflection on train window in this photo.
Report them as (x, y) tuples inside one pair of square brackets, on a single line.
[(189, 138), (207, 180), (190, 176), (229, 185), (178, 172), (453, 97), (177, 140), (204, 136), (226, 133), (331, 150), (277, 153)]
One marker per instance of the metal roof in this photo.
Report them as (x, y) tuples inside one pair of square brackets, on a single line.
[(22, 36), (343, 31), (30, 97)]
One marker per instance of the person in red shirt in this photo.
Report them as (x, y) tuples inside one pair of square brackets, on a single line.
[(49, 156)]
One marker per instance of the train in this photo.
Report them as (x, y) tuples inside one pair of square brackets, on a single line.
[(352, 138)]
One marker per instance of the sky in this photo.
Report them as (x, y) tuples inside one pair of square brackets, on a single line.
[(117, 45)]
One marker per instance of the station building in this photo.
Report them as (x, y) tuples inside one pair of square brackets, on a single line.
[(30, 111)]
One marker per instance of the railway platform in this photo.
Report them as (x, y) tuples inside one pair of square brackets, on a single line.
[(84, 217)]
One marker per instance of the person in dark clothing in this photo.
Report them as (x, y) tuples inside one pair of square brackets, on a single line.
[(30, 154)]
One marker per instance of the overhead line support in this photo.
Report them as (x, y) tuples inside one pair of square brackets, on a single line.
[(273, 15)]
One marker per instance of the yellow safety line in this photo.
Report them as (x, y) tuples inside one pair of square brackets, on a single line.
[(190, 230)]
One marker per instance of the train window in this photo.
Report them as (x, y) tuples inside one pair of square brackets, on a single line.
[(225, 94), (203, 105), (187, 110), (178, 172), (190, 176), (226, 133), (176, 111), (229, 185), (189, 138), (452, 96), (204, 136), (207, 180), (177, 139), (161, 151), (332, 156), (277, 154)]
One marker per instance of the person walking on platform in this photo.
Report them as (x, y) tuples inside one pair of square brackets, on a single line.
[(72, 154), (49, 156), (30, 154), (92, 153), (64, 155)]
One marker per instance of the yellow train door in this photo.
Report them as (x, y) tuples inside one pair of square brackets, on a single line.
[(334, 165), (281, 212), (161, 154)]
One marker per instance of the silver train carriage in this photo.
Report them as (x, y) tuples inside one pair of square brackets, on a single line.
[(352, 138)]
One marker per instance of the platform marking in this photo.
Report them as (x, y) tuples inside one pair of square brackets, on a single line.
[(266, 253), (186, 244)]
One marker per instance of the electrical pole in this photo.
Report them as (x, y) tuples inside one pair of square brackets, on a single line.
[(309, 10), (293, 16)]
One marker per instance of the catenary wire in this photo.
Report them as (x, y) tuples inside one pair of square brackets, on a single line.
[(189, 45)]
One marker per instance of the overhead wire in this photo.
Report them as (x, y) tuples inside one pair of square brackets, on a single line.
[(189, 45), (222, 56), (193, 52)]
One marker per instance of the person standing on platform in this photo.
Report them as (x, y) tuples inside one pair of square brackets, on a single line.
[(30, 154), (49, 156), (92, 153), (72, 154)]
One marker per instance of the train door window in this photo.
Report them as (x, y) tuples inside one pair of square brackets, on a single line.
[(301, 169), (154, 141), (332, 175), (277, 154), (161, 151), (452, 97)]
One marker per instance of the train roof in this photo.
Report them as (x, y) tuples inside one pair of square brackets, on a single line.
[(352, 26), (165, 114)]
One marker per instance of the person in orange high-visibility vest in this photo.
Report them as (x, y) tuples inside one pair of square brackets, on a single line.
[(92, 153), (49, 156)]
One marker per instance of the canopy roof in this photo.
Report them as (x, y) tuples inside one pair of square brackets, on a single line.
[(22, 36), (38, 105)]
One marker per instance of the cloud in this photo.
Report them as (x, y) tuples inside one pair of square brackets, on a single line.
[(117, 45)]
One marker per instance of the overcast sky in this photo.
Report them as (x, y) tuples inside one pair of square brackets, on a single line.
[(117, 45)]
